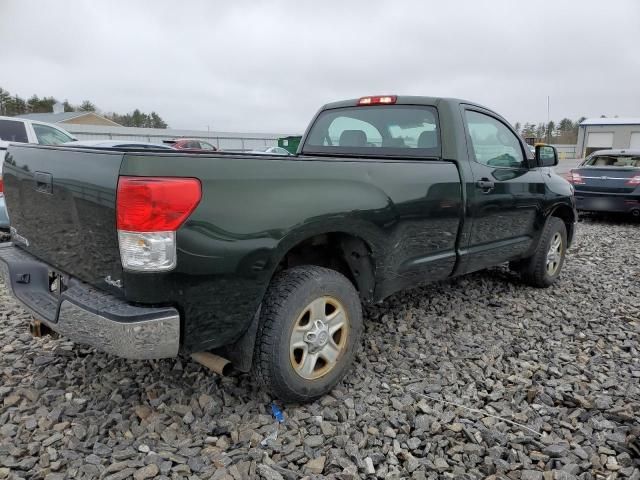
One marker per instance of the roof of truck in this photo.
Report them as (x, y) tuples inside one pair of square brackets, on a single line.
[(403, 100)]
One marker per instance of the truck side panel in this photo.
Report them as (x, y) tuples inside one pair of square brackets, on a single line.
[(254, 209)]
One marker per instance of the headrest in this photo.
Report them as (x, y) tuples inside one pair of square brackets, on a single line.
[(353, 138), (428, 139)]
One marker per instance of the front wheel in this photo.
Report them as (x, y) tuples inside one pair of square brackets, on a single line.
[(543, 268), (310, 326)]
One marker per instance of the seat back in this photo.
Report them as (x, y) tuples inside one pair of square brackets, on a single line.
[(353, 138)]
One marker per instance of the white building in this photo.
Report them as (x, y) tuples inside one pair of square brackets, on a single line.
[(603, 133)]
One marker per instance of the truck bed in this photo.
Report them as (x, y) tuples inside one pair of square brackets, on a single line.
[(254, 208)]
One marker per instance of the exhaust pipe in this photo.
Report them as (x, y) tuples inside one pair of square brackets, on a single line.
[(214, 362), (39, 329)]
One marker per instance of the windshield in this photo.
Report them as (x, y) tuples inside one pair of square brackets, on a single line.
[(395, 130), (49, 135), (613, 161)]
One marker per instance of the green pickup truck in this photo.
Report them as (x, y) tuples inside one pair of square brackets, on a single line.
[(265, 261)]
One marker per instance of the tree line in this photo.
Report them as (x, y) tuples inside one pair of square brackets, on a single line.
[(12, 105), (565, 131)]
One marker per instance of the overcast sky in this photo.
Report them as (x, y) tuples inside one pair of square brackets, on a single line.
[(267, 66)]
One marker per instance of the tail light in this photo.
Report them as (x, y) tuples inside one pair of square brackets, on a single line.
[(575, 178), (632, 182), (379, 100), (149, 210), (1, 186)]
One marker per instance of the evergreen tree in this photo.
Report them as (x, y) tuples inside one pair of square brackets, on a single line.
[(15, 105), (5, 97), (87, 106)]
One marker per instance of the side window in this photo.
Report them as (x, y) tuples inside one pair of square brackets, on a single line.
[(493, 143), (13, 131), (352, 132), (47, 135), (206, 146)]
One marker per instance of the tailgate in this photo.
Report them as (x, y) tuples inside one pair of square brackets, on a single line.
[(606, 180), (61, 203)]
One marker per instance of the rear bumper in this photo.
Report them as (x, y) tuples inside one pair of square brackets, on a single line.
[(602, 202), (87, 315)]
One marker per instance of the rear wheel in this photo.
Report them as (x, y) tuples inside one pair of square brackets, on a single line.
[(310, 327), (543, 268)]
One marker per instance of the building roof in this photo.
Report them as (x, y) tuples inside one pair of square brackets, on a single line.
[(52, 117), (611, 121), (61, 117)]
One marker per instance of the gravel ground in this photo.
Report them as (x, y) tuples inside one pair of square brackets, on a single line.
[(474, 378)]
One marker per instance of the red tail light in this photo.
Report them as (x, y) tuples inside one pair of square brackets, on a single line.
[(633, 181), (155, 204), (575, 178), (379, 100)]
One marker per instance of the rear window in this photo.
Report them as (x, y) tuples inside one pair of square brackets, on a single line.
[(386, 130), (613, 161), (12, 131)]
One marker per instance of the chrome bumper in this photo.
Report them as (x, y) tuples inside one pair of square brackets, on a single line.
[(89, 316)]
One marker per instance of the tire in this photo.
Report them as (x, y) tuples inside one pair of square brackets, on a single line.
[(284, 352), (535, 270)]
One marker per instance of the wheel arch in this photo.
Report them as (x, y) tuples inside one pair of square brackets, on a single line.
[(568, 216), (341, 250)]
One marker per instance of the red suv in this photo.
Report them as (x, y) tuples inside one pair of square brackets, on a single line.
[(191, 145)]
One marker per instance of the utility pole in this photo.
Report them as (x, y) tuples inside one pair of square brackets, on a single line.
[(548, 119)]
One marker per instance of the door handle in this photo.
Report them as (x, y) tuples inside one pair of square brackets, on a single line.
[(485, 185)]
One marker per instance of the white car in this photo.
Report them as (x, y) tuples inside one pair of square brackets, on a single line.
[(23, 130)]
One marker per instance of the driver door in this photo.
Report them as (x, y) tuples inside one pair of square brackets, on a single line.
[(505, 196)]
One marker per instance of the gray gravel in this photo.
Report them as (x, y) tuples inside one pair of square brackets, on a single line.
[(479, 377)]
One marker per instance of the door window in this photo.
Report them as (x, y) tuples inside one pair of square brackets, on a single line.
[(206, 146), (13, 131), (493, 143), (47, 135)]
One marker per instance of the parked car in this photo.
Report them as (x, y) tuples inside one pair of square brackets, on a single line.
[(266, 261), (270, 151), (23, 130), (608, 181), (128, 144), (191, 145)]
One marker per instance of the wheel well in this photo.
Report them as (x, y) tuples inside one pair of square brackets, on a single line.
[(566, 214), (345, 253)]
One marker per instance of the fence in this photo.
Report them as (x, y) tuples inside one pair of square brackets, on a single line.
[(222, 140), (566, 151)]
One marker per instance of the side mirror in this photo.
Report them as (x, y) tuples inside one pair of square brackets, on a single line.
[(546, 156)]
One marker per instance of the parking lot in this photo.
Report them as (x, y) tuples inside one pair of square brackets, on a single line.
[(482, 376)]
